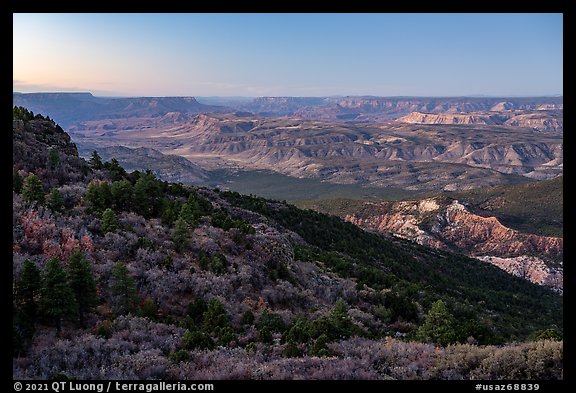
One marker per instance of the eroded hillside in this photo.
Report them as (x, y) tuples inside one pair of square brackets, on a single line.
[(416, 143), (185, 282), (449, 225), (416, 157)]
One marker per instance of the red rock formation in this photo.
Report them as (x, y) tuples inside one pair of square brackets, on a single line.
[(486, 235), (453, 227)]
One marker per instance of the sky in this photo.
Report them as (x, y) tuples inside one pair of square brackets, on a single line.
[(289, 54)]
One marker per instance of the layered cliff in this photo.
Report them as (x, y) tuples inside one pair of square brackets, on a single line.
[(368, 108), (450, 118), (540, 120), (448, 224)]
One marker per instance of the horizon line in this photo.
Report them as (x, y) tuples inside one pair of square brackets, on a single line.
[(296, 96)]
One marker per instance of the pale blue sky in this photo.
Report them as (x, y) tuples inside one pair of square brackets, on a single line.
[(289, 54)]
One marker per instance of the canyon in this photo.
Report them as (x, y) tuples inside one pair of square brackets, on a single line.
[(416, 144), (412, 156)]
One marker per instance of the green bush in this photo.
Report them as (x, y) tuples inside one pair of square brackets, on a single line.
[(179, 356), (103, 329), (197, 339)]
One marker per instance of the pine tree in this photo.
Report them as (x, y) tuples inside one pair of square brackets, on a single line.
[(169, 211), (215, 317), (292, 350), (197, 339), (341, 323), (98, 195), (57, 300), (149, 309), (25, 305), (32, 189), (96, 161), (321, 346), (196, 310), (55, 200), (27, 289), (439, 325), (180, 235), (124, 296), (147, 195), (122, 194), (21, 113), (188, 214), (53, 158), (219, 263), (81, 280), (109, 223), (115, 169)]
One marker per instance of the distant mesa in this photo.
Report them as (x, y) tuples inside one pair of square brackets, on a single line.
[(68, 108), (542, 120), (452, 118)]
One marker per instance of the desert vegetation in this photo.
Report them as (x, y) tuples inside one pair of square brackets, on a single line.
[(121, 275)]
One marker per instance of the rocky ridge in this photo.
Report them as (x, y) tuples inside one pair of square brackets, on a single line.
[(540, 120), (72, 108), (449, 225), (449, 118)]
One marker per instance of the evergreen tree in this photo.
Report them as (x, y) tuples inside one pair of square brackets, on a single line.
[(98, 195), (200, 204), (180, 235), (26, 291), (57, 299), (439, 325), (170, 211), (197, 339), (53, 158), (21, 113), (116, 171), (81, 280), (299, 332), (292, 350), (95, 161), (122, 194), (321, 346), (147, 195), (27, 288), (149, 309), (269, 323), (215, 317), (188, 214), (124, 295), (109, 223), (32, 189), (247, 318), (196, 310), (55, 200), (341, 323), (548, 334), (219, 263)]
